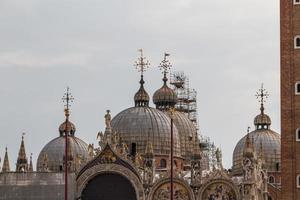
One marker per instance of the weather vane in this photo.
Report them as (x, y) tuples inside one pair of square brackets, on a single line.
[(262, 94), (165, 64), (67, 98), (141, 64)]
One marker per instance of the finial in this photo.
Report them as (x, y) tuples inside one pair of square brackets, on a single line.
[(141, 64), (262, 95), (67, 99), (165, 65)]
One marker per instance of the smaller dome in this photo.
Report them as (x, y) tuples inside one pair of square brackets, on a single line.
[(54, 153), (165, 97), (68, 127), (141, 98), (262, 119)]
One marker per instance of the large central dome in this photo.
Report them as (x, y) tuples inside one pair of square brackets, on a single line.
[(137, 125)]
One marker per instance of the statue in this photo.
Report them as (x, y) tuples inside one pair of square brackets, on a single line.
[(90, 151), (107, 119)]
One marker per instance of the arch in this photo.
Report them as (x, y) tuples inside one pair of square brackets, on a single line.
[(220, 184), (297, 88), (96, 170), (297, 42), (181, 188), (103, 186), (271, 179), (298, 134), (298, 181)]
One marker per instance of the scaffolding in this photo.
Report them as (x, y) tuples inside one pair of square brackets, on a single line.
[(187, 103), (187, 97)]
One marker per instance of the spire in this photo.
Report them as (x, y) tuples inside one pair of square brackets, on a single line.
[(6, 167), (22, 162), (30, 168), (165, 97), (249, 149), (67, 126), (262, 121), (141, 98)]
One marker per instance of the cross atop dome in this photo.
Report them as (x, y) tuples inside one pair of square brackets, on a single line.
[(262, 94), (142, 64), (67, 99), (141, 98)]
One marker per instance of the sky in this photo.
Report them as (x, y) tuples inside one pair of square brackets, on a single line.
[(228, 48)]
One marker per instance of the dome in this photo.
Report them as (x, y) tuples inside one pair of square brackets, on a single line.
[(262, 119), (165, 97), (54, 152), (270, 142), (137, 125), (67, 126), (187, 131)]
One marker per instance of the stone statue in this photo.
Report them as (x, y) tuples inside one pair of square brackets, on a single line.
[(90, 151), (107, 119)]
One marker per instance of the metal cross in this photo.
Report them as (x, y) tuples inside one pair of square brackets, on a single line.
[(67, 98), (262, 94), (141, 64)]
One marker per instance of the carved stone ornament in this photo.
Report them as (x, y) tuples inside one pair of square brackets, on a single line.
[(218, 190), (161, 190)]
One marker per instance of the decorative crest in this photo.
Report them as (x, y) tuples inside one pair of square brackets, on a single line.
[(165, 65), (262, 95), (141, 64)]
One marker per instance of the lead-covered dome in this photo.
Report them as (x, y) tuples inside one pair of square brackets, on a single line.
[(264, 138), (138, 125), (51, 158), (187, 133)]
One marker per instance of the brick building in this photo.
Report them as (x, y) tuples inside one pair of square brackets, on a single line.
[(290, 98)]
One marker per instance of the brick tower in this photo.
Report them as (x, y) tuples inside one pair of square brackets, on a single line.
[(290, 98)]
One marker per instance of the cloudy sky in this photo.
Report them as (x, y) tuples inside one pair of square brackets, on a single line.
[(226, 47)]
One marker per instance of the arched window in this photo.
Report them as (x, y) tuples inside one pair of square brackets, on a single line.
[(298, 181), (163, 163), (297, 42), (271, 179), (296, 1), (297, 88), (298, 135)]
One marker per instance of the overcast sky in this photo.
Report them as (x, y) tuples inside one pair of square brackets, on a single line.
[(226, 47)]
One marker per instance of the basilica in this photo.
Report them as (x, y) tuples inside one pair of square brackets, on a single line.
[(157, 153), (133, 161)]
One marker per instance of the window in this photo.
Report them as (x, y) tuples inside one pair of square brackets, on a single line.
[(298, 181), (277, 167), (133, 149), (297, 88), (271, 179), (163, 163), (298, 135), (297, 41), (296, 1)]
